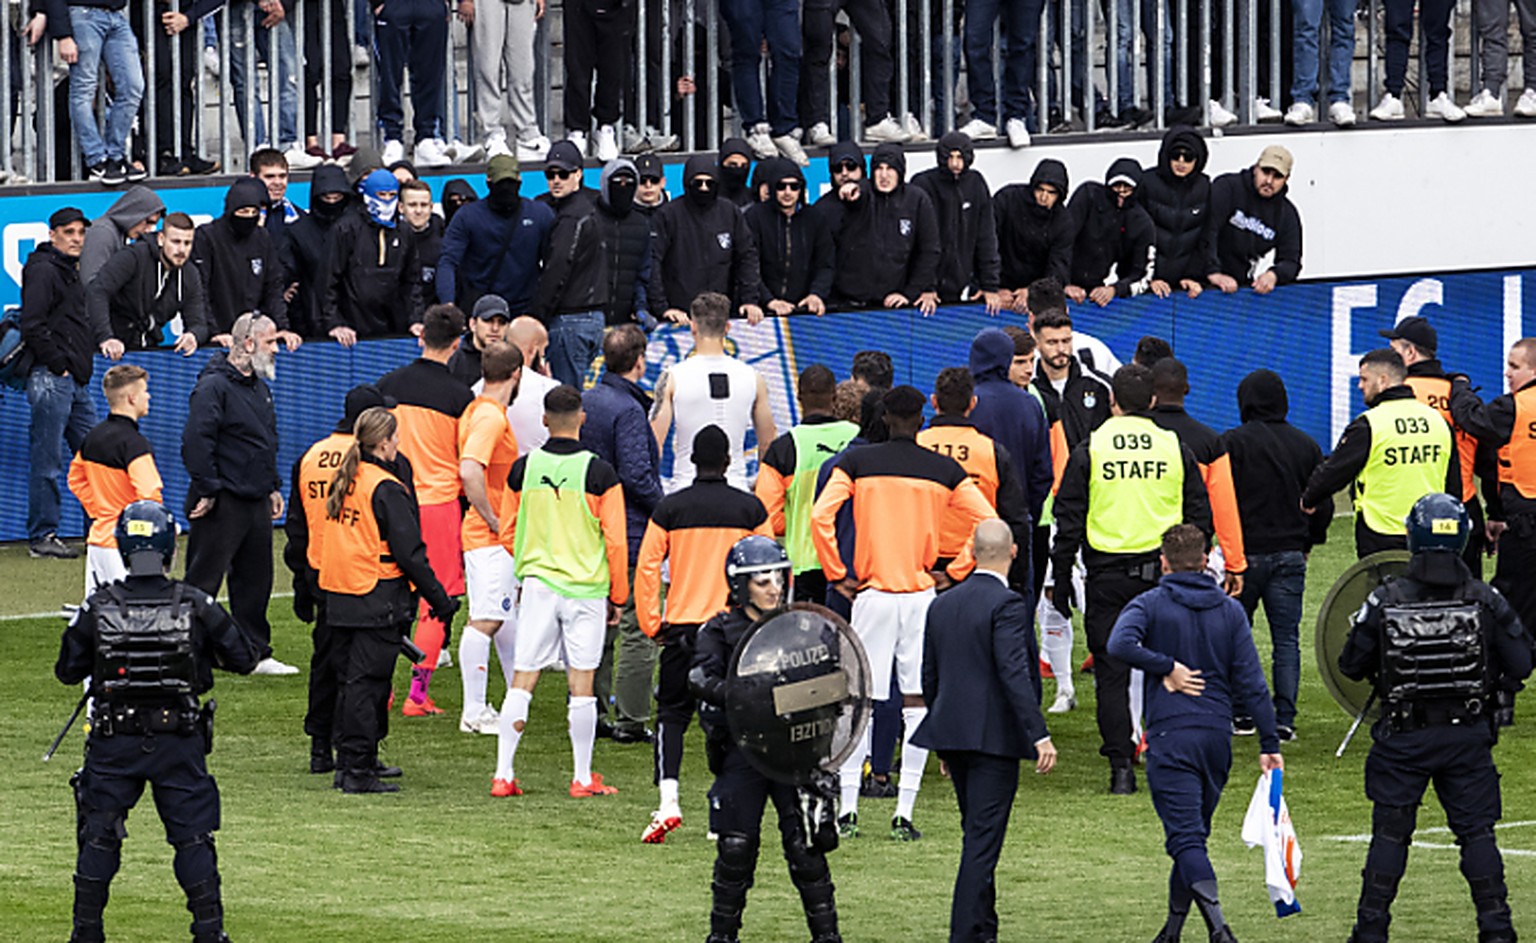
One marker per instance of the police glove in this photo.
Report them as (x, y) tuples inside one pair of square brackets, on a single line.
[(303, 604), (1061, 599), (444, 613)]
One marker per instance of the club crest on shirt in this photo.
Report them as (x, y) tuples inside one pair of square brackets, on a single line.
[(906, 227), (1090, 399), (724, 238), (256, 267)]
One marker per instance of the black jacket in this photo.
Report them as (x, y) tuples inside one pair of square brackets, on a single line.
[(229, 443), (239, 274), (1243, 227), (1492, 424), (575, 277), (429, 246), (136, 294), (54, 324), (1178, 207), (1109, 234), (217, 641), (886, 242), (795, 254), (308, 244), (392, 602), (1271, 463), (968, 258), (372, 279), (1083, 404), (712, 650), (1032, 241), (696, 249), (626, 242)]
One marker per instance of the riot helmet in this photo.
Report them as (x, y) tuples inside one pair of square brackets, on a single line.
[(1438, 522), (749, 557), (146, 538)]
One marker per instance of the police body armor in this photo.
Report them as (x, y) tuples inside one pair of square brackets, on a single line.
[(146, 666), (1434, 663)]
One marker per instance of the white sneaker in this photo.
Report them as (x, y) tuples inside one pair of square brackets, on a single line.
[(1218, 115), (362, 57), (1264, 111), (1443, 106), (605, 143), (1526, 106), (536, 148), (485, 723), (444, 659), (1342, 114), (632, 141), (432, 153), (393, 151), (1390, 108), (578, 138), (886, 131), (496, 144), (821, 135), (913, 127), (271, 666), (978, 130), (463, 153), (1064, 702), (1018, 133), (211, 60), (760, 139), (790, 148), (661, 140), (300, 159), (1300, 114), (1484, 105)]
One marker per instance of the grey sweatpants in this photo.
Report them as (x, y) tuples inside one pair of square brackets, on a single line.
[(502, 41), (1493, 30)]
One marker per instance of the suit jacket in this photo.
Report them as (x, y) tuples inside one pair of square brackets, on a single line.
[(976, 677)]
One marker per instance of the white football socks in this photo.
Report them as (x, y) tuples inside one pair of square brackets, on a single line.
[(505, 641), (913, 760), (582, 714), (1056, 645), (669, 791), (850, 775), (474, 661), (514, 711)]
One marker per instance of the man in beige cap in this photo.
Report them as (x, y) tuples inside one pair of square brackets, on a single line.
[(1253, 235)]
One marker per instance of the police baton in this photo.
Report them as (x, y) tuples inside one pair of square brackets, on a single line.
[(52, 749), (1369, 703), (411, 650)]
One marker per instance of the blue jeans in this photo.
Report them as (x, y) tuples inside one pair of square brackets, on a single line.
[(1021, 26), (61, 408), (1341, 49), (1279, 580), (1125, 25), (575, 341), (750, 23), (240, 28), (104, 37)]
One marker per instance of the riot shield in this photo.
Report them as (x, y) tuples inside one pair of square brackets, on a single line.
[(797, 693), (1334, 619)]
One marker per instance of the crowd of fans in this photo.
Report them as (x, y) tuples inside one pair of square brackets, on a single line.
[(773, 74)]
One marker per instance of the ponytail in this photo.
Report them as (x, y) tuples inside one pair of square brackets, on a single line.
[(375, 425)]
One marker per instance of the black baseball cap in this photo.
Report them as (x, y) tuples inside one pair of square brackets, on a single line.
[(649, 165), (365, 397), (492, 306), (1416, 331), (564, 155), (65, 216)]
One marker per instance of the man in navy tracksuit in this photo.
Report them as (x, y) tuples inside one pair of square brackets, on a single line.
[(1194, 643)]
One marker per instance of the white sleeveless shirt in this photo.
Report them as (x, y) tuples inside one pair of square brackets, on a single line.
[(716, 390)]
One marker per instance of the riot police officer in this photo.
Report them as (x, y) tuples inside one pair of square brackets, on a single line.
[(1446, 655), (149, 645), (757, 571)]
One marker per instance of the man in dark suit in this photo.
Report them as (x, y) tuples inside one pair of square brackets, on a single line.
[(983, 717)]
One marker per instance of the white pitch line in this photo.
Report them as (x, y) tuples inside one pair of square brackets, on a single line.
[(65, 613), (1442, 830)]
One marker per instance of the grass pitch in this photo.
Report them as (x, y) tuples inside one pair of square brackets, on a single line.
[(442, 861)]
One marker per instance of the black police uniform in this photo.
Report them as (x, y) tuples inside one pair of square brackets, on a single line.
[(737, 798), (149, 645), (1447, 740)]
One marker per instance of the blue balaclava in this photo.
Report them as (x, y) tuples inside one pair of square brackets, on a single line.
[(381, 209)]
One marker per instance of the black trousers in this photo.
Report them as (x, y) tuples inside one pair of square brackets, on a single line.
[(314, 69), (1109, 589), (235, 540), (169, 143), (984, 786), (675, 704), (1368, 541), (1516, 563), (324, 683), (601, 44), (365, 660), (873, 24), (811, 586)]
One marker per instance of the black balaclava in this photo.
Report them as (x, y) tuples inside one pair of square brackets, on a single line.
[(504, 196), (621, 194), (243, 193)]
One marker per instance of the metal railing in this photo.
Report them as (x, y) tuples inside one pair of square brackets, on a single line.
[(1086, 50)]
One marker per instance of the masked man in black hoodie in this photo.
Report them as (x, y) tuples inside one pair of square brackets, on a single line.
[(1251, 217), (329, 199), (735, 169), (1034, 232), (239, 264), (1113, 231), (962, 201), (456, 193), (626, 242), (701, 243), (146, 287), (1177, 195), (794, 253), (887, 240), (372, 279)]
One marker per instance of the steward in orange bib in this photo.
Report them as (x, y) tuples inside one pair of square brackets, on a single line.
[(371, 554)]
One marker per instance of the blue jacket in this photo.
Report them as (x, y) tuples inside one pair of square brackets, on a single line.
[(618, 431), (1011, 416), (976, 672), (485, 253), (1187, 618)]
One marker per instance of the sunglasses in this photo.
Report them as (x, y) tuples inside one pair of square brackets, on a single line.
[(1183, 156), (650, 181), (555, 174), (786, 186), (848, 165), (702, 183)]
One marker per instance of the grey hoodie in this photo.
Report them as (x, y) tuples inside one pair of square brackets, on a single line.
[(109, 232)]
